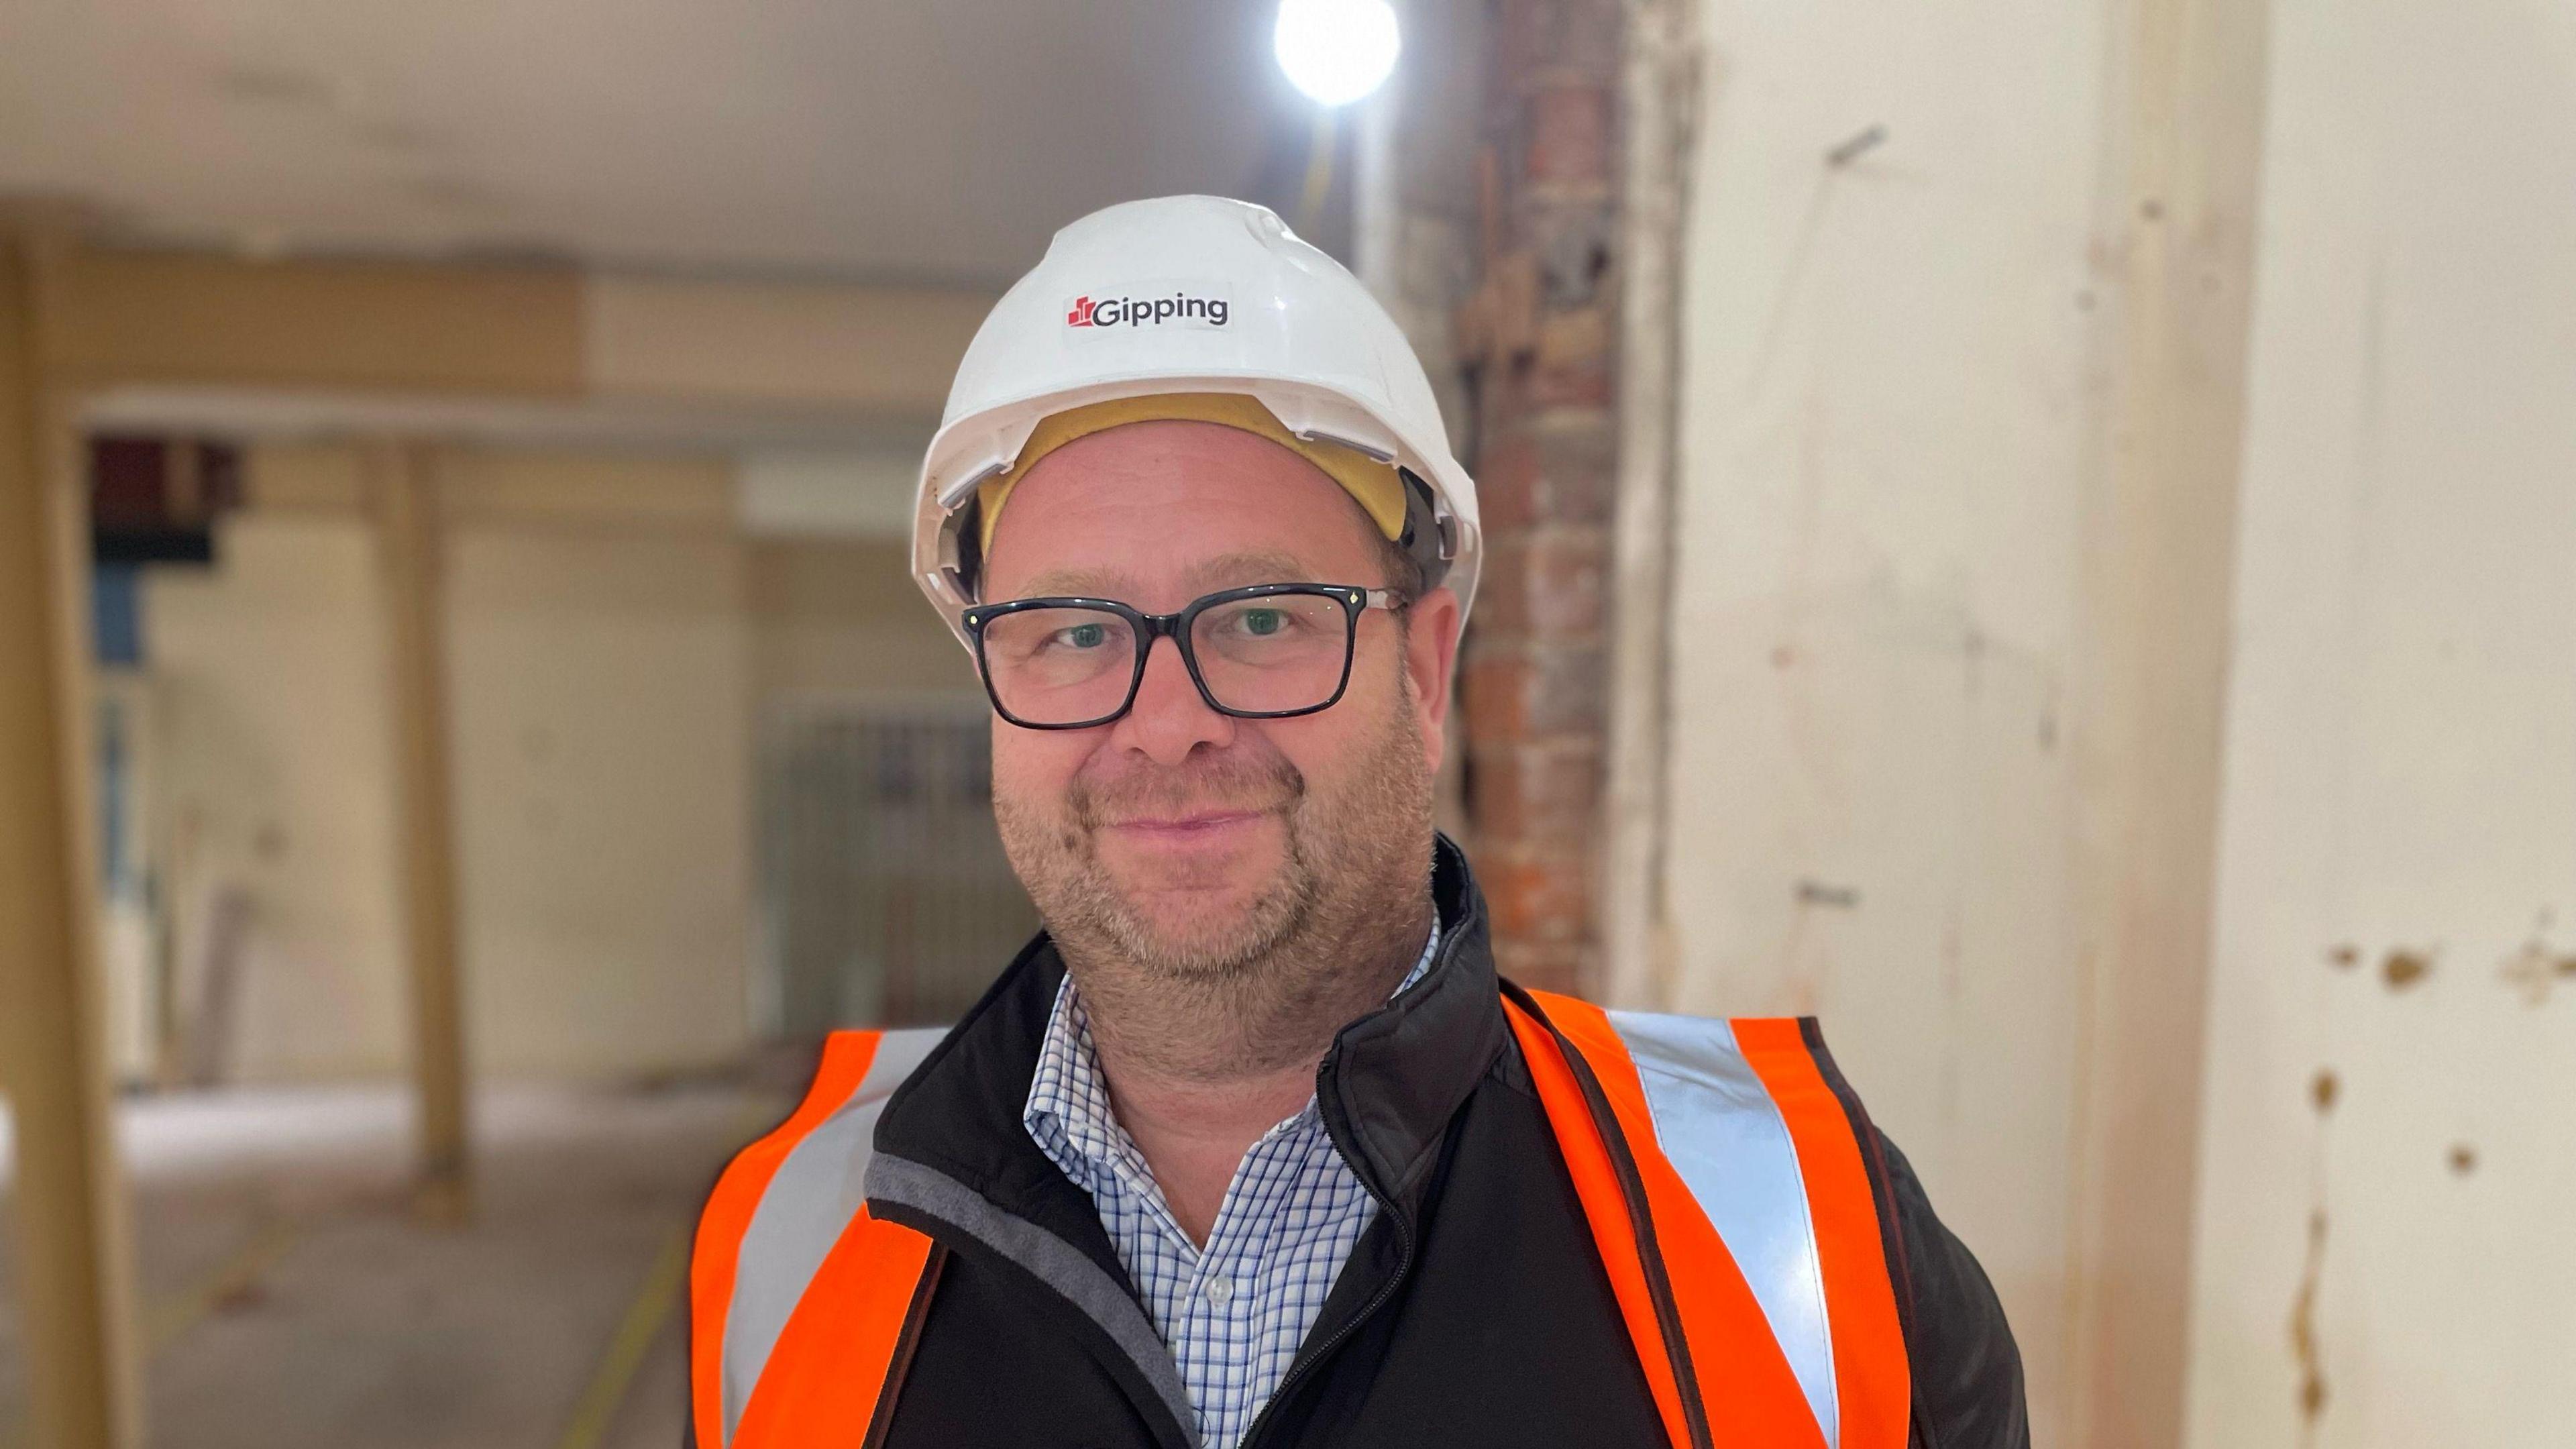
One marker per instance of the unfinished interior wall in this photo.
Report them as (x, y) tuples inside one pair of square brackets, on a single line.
[(1539, 339), (597, 669), (1887, 368), (2383, 1259), (613, 639), (600, 654), (273, 762), (1962, 360)]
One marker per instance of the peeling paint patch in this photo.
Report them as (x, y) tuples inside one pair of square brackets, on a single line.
[(2405, 968)]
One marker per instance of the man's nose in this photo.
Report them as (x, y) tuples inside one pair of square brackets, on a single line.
[(1170, 718)]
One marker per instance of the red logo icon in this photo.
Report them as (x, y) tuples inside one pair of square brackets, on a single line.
[(1080, 316)]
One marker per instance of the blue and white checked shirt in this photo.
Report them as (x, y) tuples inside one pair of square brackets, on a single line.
[(1235, 1313)]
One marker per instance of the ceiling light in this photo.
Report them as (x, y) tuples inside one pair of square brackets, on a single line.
[(1336, 51)]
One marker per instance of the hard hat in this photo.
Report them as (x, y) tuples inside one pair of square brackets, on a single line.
[(1185, 297)]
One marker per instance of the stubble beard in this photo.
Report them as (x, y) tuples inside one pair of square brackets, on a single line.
[(1257, 989)]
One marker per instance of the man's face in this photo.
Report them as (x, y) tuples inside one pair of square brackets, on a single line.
[(1189, 842)]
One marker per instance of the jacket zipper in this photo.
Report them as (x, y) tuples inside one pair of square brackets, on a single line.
[(1403, 1265), (1298, 1370)]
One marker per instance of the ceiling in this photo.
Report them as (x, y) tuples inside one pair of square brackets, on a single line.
[(932, 140)]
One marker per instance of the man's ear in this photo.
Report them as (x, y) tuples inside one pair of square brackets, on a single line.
[(1430, 654)]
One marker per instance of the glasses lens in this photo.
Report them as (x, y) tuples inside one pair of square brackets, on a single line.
[(1059, 666), (1274, 653)]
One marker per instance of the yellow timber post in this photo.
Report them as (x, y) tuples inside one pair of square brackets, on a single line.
[(410, 535), (73, 1267)]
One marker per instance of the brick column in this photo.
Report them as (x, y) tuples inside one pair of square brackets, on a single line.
[(1539, 339)]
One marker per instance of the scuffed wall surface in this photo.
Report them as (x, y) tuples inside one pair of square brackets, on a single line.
[(1887, 413), (273, 757), (2389, 1135)]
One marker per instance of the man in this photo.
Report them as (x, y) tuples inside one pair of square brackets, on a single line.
[(1252, 1147)]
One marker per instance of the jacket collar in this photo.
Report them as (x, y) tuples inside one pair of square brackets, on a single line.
[(1392, 1080), (1387, 1087)]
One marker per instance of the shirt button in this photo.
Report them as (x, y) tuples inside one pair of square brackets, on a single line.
[(1219, 1291)]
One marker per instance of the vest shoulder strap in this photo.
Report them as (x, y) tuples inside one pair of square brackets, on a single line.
[(1724, 1181), (788, 1262)]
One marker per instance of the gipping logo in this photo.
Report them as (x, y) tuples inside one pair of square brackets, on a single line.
[(1182, 306)]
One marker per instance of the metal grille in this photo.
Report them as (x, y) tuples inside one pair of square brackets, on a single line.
[(886, 899)]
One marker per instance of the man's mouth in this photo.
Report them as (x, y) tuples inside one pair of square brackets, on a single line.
[(1218, 808), (1191, 825)]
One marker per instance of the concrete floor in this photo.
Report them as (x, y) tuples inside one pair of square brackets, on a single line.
[(291, 1300)]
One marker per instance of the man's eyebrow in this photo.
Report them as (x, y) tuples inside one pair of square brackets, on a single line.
[(1074, 583), (1254, 566)]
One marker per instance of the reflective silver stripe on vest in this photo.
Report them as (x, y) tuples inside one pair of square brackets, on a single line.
[(813, 1196), (1718, 1126)]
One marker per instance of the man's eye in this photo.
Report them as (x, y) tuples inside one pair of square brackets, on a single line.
[(1083, 636), (1259, 622)]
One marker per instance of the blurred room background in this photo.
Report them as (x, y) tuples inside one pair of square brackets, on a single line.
[(2042, 534)]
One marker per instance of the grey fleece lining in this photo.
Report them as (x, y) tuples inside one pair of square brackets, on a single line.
[(1054, 1262)]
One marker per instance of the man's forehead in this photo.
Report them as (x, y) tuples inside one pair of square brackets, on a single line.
[(1225, 571)]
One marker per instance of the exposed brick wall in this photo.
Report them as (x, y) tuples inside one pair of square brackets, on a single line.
[(1539, 338)]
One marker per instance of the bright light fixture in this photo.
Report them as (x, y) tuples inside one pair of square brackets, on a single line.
[(1336, 50)]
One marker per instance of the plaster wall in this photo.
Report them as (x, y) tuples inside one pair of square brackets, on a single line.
[(1889, 409), (272, 757), (600, 703), (2386, 1148)]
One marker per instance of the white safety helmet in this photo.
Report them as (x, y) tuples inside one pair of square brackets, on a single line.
[(1190, 295)]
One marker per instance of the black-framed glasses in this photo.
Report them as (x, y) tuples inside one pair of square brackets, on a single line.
[(1271, 651)]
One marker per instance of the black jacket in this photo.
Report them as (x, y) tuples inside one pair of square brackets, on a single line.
[(1473, 1311)]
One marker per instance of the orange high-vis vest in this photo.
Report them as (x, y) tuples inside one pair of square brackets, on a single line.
[(1725, 1185)]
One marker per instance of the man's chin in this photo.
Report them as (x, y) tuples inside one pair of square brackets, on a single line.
[(1199, 915), (1204, 949)]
